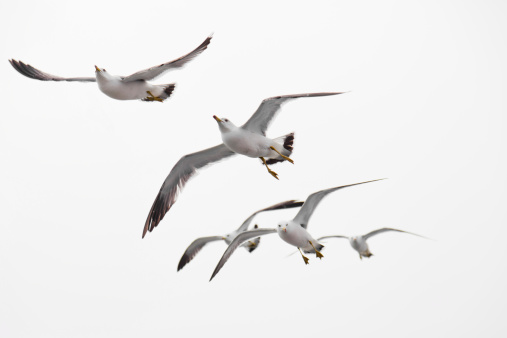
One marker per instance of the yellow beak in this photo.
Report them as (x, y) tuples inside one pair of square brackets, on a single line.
[(216, 118), (97, 69)]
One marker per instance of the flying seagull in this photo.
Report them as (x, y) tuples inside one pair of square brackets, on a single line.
[(293, 232), (359, 244), (250, 245), (132, 87), (251, 141)]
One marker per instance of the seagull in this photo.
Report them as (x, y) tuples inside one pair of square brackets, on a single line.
[(293, 232), (250, 245), (132, 87), (359, 244), (249, 136)]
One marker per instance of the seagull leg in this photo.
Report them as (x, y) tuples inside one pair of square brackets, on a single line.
[(283, 156), (304, 257), (152, 97), (360, 257), (275, 175), (317, 252)]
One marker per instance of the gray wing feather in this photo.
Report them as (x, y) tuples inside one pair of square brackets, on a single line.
[(282, 205), (260, 120), (178, 177), (335, 236), (244, 236), (36, 74), (379, 231), (153, 72), (194, 248), (304, 214)]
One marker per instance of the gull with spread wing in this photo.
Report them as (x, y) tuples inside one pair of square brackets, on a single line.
[(293, 232), (249, 245), (132, 87), (359, 244), (249, 140)]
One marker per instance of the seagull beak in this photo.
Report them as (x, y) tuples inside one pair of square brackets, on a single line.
[(216, 118), (284, 229), (97, 69)]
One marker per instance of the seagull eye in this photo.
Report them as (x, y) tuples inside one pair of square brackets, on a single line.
[(226, 120)]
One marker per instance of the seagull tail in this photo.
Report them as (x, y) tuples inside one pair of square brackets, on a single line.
[(168, 90), (287, 141)]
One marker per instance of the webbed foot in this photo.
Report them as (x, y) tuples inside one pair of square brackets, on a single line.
[(152, 97), (283, 156)]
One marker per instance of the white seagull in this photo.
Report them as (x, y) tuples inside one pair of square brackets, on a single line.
[(293, 232), (359, 244), (249, 140), (250, 245), (132, 87)]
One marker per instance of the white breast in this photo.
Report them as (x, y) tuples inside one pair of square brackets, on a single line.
[(246, 143)]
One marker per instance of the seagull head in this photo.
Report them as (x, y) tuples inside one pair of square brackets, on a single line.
[(102, 74), (282, 227), (224, 124)]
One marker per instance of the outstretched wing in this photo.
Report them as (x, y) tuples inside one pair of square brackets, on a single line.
[(178, 177), (260, 120), (244, 236), (283, 205), (153, 72), (36, 74), (379, 231), (335, 236), (314, 199), (194, 248)]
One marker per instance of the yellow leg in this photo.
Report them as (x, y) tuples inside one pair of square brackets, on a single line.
[(360, 257), (275, 175), (283, 156), (152, 97), (304, 257), (317, 252)]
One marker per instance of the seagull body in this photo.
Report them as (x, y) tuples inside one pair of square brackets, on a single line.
[(292, 232), (359, 244), (249, 140), (132, 87), (250, 245), (114, 87), (245, 142)]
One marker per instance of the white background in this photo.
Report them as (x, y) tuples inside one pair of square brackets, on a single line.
[(79, 171)]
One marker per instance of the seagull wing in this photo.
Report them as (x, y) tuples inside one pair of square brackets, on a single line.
[(244, 236), (178, 177), (283, 205), (36, 74), (314, 199), (335, 236), (379, 231), (194, 248), (260, 120), (153, 72)]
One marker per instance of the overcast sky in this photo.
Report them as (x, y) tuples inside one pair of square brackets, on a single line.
[(425, 108)]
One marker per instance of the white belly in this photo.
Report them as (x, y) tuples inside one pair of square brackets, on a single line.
[(359, 244), (248, 143), (136, 90), (298, 237)]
